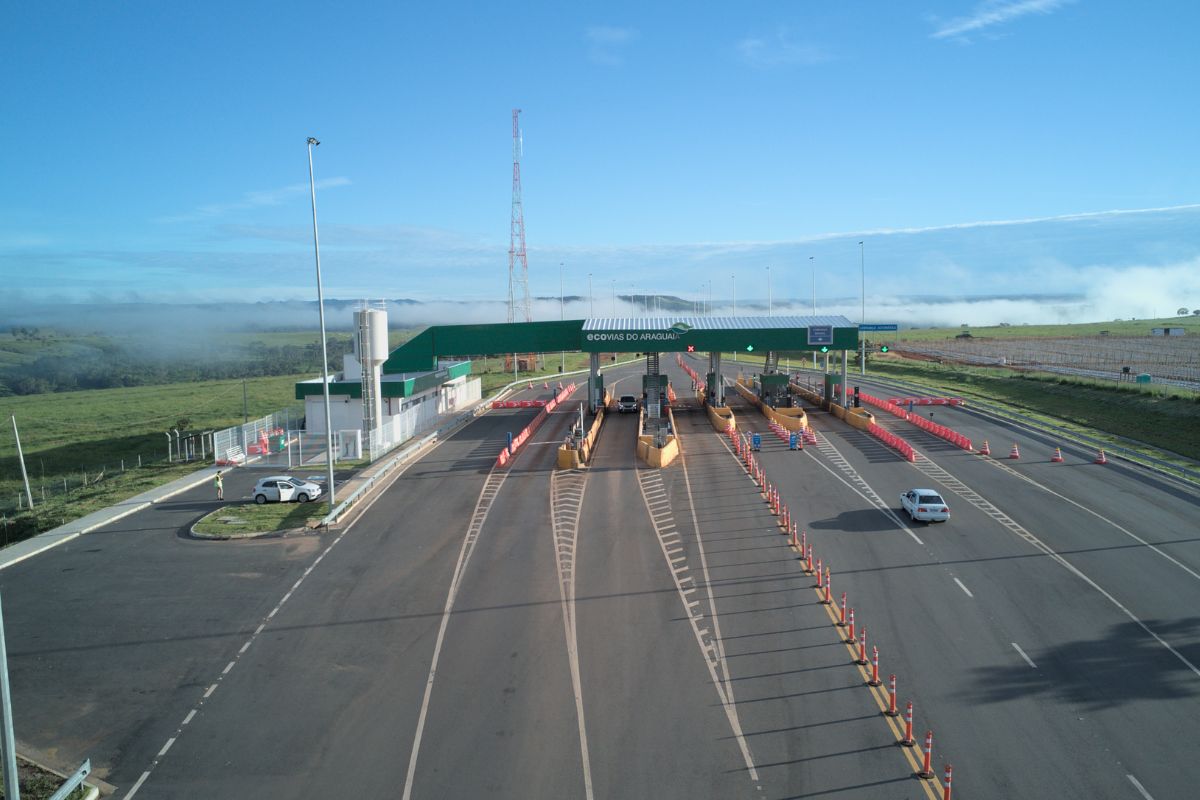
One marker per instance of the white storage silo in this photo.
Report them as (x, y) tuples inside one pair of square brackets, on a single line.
[(371, 348)]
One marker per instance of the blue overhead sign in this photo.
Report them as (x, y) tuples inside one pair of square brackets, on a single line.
[(820, 334), (886, 326)]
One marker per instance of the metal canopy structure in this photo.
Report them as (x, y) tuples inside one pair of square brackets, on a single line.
[(667, 334)]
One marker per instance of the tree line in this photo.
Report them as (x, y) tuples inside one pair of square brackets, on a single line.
[(111, 368)]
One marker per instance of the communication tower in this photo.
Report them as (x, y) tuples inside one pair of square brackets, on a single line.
[(519, 307)]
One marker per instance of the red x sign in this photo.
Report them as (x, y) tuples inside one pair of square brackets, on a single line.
[(691, 348)]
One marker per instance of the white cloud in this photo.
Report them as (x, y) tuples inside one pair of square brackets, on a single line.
[(779, 51), (607, 44), (254, 199), (994, 12)]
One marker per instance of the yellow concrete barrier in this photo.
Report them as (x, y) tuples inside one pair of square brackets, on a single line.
[(569, 457), (792, 419), (658, 457), (721, 417)]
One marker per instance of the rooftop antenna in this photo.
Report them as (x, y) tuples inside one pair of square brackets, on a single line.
[(519, 307)]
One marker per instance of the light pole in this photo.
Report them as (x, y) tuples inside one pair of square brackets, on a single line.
[(614, 288), (312, 184), (710, 297), (734, 276), (862, 357), (591, 305), (770, 298), (561, 315), (813, 263)]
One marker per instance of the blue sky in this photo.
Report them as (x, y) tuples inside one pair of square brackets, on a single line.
[(156, 151)]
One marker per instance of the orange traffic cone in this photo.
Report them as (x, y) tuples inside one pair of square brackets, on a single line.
[(1057, 457), (1015, 453), (1101, 458), (986, 451)]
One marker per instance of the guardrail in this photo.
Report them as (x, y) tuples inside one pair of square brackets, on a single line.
[(1190, 475)]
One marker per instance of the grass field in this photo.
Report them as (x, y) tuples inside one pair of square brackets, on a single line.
[(70, 435), (242, 519), (1139, 327)]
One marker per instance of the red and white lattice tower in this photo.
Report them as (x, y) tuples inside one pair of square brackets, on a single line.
[(519, 308)]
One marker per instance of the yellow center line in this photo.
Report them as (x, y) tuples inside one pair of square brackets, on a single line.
[(914, 754)]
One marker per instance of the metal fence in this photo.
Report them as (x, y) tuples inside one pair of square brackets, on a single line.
[(239, 444), (45, 488)]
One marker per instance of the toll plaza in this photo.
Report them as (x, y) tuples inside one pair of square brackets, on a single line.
[(769, 337)]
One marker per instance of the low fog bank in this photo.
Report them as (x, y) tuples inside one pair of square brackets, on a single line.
[(1103, 294)]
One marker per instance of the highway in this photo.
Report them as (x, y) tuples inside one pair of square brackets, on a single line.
[(620, 631)]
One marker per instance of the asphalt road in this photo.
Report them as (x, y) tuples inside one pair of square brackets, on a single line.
[(625, 632)]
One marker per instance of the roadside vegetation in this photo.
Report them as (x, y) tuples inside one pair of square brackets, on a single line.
[(1126, 327), (235, 520)]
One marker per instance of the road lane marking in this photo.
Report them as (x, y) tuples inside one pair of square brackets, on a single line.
[(709, 642), (1021, 653), (1137, 785), (133, 789), (1097, 515), (166, 747), (567, 490), (963, 587), (208, 693), (188, 718), (937, 473), (487, 496)]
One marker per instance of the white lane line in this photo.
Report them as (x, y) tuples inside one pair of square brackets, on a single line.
[(188, 718), (228, 667), (245, 647), (566, 526), (964, 588), (1137, 785), (483, 505), (138, 785), (166, 747), (1021, 653), (209, 692), (1097, 515), (730, 704)]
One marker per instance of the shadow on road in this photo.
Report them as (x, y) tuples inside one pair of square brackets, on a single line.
[(1125, 666)]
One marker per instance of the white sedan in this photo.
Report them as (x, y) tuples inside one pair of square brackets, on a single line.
[(284, 489), (925, 505)]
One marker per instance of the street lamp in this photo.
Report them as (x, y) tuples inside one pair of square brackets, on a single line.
[(770, 299), (862, 262), (561, 315), (813, 263), (312, 184)]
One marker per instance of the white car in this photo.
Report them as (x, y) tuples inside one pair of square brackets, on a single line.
[(925, 505), (284, 489)]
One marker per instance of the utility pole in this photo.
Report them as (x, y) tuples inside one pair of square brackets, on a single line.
[(325, 376), (21, 458), (561, 315), (12, 786), (862, 358)]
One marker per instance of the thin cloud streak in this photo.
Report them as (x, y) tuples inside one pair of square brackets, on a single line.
[(607, 44), (778, 51), (253, 199), (995, 13)]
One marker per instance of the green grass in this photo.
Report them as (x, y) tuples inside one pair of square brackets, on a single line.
[(1165, 418), (67, 434), (244, 519)]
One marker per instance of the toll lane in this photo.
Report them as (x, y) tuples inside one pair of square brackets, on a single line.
[(1019, 597)]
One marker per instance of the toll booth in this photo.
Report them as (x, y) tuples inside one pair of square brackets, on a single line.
[(773, 390)]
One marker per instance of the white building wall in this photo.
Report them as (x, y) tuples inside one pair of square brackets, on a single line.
[(344, 411)]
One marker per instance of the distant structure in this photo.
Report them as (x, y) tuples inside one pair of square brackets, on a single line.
[(519, 307)]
